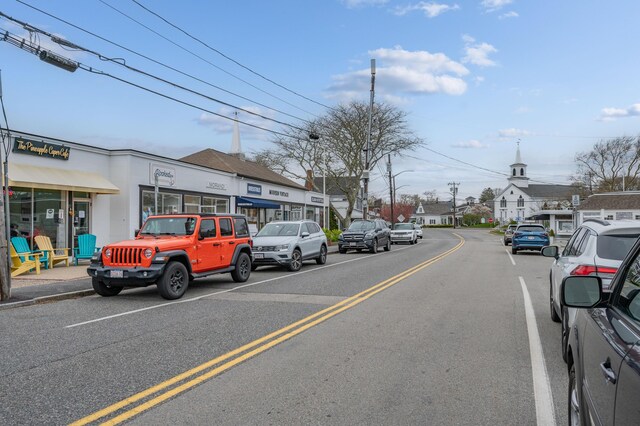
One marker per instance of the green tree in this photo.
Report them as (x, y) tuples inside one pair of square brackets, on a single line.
[(487, 195)]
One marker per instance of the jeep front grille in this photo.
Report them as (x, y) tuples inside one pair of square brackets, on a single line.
[(126, 256)]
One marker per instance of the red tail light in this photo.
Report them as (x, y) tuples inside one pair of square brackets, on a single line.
[(251, 243), (592, 269)]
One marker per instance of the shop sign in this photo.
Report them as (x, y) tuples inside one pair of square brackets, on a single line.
[(279, 193), (253, 188), (316, 200), (41, 149), (217, 186), (166, 175)]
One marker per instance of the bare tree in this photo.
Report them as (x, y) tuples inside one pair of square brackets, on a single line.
[(339, 151), (610, 164)]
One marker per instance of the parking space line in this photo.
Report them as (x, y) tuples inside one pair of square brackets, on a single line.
[(513, 262), (545, 412)]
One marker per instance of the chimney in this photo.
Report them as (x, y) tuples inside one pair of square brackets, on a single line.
[(309, 181)]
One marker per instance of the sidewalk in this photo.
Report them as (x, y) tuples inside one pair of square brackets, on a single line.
[(58, 283)]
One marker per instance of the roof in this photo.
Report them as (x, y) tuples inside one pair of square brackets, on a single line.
[(233, 164), (436, 208), (549, 191), (612, 200), (331, 186)]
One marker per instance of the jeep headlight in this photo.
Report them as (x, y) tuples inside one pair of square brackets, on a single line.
[(282, 247), (148, 253), (107, 253)]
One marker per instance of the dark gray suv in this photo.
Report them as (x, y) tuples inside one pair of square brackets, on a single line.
[(365, 234)]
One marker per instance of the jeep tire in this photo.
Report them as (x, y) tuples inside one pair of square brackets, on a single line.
[(174, 281), (103, 289), (243, 268)]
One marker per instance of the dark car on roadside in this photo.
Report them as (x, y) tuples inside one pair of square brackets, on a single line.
[(508, 233), (603, 350), (365, 234), (529, 236)]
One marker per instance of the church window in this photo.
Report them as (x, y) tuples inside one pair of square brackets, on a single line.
[(514, 172), (521, 172), (503, 202), (520, 201)]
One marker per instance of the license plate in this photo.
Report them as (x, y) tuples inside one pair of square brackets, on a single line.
[(352, 244), (258, 255), (531, 238), (116, 273)]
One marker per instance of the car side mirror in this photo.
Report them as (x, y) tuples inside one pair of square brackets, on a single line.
[(550, 251), (581, 291), (305, 234)]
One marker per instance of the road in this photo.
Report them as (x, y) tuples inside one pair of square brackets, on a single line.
[(453, 330)]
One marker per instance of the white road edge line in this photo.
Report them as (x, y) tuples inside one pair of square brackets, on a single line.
[(513, 262), (545, 411), (220, 292)]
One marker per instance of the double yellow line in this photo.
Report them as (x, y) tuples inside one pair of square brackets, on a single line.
[(244, 352)]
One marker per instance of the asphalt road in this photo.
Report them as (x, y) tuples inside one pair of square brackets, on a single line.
[(435, 333)]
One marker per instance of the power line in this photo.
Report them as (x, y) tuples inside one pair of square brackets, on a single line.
[(227, 57), (28, 28)]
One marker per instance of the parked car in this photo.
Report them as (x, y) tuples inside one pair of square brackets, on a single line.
[(366, 234), (596, 248), (603, 351), (171, 250), (529, 236), (508, 233), (418, 229), (404, 233), (289, 243)]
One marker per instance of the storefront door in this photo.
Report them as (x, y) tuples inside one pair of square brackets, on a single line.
[(81, 219)]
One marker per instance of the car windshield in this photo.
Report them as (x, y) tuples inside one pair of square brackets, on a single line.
[(615, 247), (403, 226), (361, 225), (530, 228), (279, 229), (169, 226)]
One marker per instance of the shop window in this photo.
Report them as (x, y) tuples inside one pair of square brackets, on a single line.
[(192, 204), (167, 203), (215, 205)]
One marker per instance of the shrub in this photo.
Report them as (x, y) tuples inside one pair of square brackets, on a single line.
[(332, 234)]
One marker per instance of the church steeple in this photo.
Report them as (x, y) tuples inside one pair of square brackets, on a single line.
[(519, 171)]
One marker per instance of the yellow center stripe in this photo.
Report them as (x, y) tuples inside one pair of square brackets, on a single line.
[(272, 340)]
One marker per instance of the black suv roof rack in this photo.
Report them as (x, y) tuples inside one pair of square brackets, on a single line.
[(600, 221)]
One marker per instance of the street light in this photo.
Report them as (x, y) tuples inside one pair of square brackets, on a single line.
[(315, 137), (393, 192)]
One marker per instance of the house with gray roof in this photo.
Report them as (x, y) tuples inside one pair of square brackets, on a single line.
[(610, 206)]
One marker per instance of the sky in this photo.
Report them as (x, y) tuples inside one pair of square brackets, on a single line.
[(474, 78)]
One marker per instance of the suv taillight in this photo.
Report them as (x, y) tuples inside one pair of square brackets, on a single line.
[(592, 269)]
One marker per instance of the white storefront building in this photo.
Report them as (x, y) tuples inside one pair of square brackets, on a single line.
[(63, 189)]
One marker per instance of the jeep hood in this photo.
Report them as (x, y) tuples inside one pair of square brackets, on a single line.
[(163, 244)]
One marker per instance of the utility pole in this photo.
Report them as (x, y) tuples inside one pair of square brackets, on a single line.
[(5, 233), (454, 191), (391, 194), (365, 174)]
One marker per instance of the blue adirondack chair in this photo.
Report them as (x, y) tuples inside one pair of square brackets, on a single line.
[(23, 250), (86, 247)]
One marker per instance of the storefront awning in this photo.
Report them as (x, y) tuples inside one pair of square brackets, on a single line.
[(256, 203), (62, 179)]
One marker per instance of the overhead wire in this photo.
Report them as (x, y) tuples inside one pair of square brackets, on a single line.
[(149, 58), (227, 57)]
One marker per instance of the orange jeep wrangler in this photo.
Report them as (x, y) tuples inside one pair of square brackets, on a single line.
[(171, 250)]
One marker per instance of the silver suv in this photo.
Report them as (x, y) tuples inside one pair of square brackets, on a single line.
[(289, 243), (596, 248)]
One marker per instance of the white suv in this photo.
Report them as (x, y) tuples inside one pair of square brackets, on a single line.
[(289, 243), (596, 248)]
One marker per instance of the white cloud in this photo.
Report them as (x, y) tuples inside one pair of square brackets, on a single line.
[(513, 133), (508, 15), (430, 9), (400, 71), (477, 53), (471, 144), (610, 114), (353, 4), (493, 5)]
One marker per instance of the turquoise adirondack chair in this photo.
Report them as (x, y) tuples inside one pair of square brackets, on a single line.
[(23, 250), (86, 247)]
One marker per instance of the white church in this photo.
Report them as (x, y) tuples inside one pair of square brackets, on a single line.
[(522, 200)]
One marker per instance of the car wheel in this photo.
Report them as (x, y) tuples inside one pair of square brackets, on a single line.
[(374, 246), (514, 250), (322, 259), (387, 246), (554, 315), (174, 281), (103, 289), (243, 268), (296, 261), (573, 402)]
